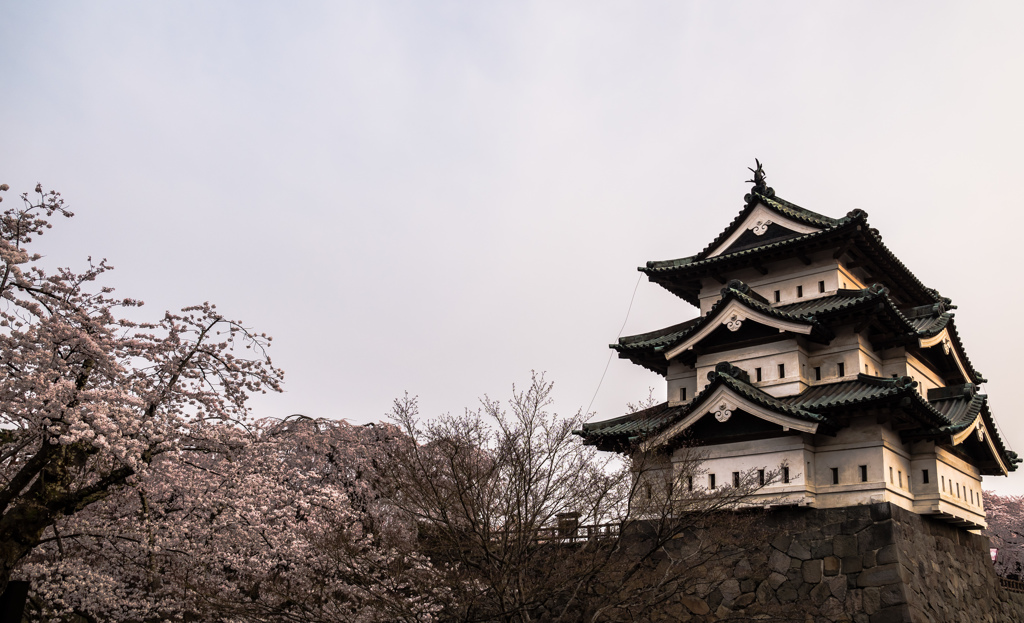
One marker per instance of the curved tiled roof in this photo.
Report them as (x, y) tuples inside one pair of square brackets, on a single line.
[(777, 205), (821, 404), (854, 226), (647, 349)]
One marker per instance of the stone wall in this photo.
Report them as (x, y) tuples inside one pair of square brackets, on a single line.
[(867, 564)]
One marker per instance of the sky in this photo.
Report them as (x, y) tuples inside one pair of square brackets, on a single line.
[(441, 197)]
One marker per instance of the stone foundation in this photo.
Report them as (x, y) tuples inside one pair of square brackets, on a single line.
[(866, 564)]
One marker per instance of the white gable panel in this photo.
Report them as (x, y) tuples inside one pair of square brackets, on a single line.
[(758, 221)]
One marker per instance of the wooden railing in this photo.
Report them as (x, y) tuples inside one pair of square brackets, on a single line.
[(1012, 585), (573, 534)]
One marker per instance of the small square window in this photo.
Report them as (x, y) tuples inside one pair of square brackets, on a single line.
[(736, 479), (835, 475), (863, 473), (821, 287), (799, 291), (711, 480), (778, 296), (782, 370), (760, 477), (817, 373), (757, 373), (842, 369), (785, 474)]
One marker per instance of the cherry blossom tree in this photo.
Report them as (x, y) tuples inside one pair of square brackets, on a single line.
[(280, 523), (90, 399), (1005, 530)]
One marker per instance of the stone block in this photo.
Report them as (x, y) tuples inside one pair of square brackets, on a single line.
[(844, 545), (695, 605), (881, 511), (812, 571), (889, 554), (832, 609), (776, 580), (782, 541), (875, 536), (854, 526), (821, 548), (730, 590), (837, 586), (742, 569), (765, 593), (831, 565), (778, 562), (744, 600), (892, 614), (786, 593), (880, 575), (868, 559), (748, 585), (820, 593), (799, 549), (872, 597), (852, 564), (892, 595)]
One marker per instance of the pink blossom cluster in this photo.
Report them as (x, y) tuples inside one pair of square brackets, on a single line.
[(280, 522)]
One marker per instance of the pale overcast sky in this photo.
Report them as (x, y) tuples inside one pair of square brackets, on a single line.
[(441, 196)]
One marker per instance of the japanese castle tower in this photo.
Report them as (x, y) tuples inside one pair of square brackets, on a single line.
[(818, 350)]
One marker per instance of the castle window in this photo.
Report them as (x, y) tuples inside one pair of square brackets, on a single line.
[(736, 479), (689, 483), (842, 369), (785, 475), (782, 370), (799, 291), (835, 475), (760, 477), (757, 373), (924, 476), (890, 477), (817, 373), (943, 478), (821, 286), (958, 490), (711, 481), (778, 296), (863, 473), (900, 473), (682, 393)]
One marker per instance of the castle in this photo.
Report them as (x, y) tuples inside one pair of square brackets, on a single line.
[(815, 350)]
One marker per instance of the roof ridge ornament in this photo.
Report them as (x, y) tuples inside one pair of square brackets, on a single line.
[(760, 186)]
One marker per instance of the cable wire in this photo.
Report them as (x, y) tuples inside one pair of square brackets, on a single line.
[(621, 329)]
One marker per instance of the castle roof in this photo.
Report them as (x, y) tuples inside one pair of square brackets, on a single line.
[(795, 233), (922, 327), (949, 415)]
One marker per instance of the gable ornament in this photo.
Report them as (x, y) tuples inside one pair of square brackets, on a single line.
[(760, 227), (734, 322), (724, 411)]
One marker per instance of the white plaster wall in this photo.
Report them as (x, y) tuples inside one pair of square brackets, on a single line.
[(810, 459), (681, 376), (783, 276)]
